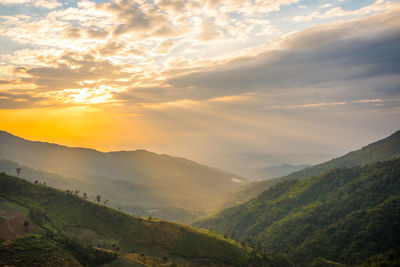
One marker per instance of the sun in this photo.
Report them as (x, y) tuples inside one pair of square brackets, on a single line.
[(87, 96)]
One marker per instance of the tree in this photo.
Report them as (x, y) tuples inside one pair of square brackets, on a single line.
[(84, 196), (105, 202), (26, 223), (98, 198), (18, 171)]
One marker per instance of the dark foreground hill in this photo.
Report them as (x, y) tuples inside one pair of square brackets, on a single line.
[(381, 150), (163, 186), (348, 216), (42, 226)]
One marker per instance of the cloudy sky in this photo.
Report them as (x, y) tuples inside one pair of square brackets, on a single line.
[(201, 78)]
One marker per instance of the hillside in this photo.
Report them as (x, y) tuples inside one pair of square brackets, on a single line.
[(162, 186), (48, 227), (345, 216), (384, 149), (127, 196)]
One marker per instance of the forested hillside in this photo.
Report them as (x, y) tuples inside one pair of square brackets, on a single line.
[(381, 150), (347, 215)]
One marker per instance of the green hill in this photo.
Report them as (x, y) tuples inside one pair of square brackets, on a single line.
[(43, 226), (384, 149), (163, 186), (344, 216)]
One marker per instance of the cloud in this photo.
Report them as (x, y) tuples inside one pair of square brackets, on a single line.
[(208, 32), (69, 70), (72, 33), (49, 4), (96, 34), (141, 48), (326, 56), (17, 99), (377, 6), (165, 46)]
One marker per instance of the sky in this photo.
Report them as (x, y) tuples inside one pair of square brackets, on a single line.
[(209, 80)]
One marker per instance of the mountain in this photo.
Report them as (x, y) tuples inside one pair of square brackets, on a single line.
[(139, 181), (276, 171), (346, 216), (378, 151), (125, 196), (42, 226)]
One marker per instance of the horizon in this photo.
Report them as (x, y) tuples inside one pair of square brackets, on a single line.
[(247, 159)]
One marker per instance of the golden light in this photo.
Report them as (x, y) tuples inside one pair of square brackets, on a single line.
[(87, 96), (81, 126)]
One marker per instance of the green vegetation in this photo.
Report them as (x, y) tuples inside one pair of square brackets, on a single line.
[(34, 250), (345, 216), (381, 150), (91, 234)]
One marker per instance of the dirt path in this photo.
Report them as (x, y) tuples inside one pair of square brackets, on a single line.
[(14, 227)]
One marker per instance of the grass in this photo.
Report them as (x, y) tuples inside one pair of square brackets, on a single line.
[(35, 250)]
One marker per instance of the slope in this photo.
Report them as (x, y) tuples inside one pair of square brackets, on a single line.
[(343, 215), (378, 151), (124, 195), (66, 226), (160, 184)]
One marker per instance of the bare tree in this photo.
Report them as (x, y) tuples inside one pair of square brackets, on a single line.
[(18, 171)]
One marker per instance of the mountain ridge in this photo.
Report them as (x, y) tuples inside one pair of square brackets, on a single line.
[(383, 149), (176, 182), (346, 216)]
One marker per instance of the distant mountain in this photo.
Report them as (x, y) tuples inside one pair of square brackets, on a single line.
[(276, 171), (381, 150), (163, 186), (42, 226), (346, 216), (127, 196)]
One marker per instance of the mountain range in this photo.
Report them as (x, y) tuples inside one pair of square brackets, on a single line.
[(344, 212), (384, 149), (140, 182)]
